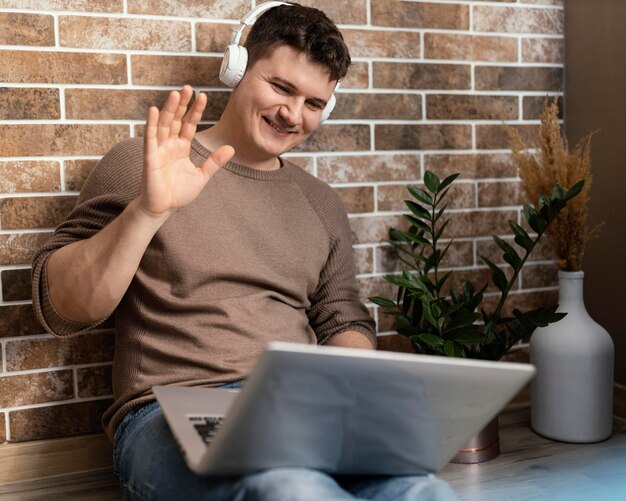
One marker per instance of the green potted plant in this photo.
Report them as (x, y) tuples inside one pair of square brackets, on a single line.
[(441, 320)]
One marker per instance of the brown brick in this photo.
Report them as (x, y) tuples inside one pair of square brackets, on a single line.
[(57, 420), (477, 276), (76, 172), (375, 286), (358, 198), (378, 106), (420, 15), (3, 430), (391, 197), (337, 138), (368, 168), (124, 33), (49, 139), (533, 105), (462, 107), (34, 212), (62, 67), (546, 2), (459, 254), (112, 104), (518, 78), (518, 20), (543, 50), (94, 381), (379, 43), (469, 47), (29, 104), (26, 29), (471, 166), (20, 248), (391, 75), (353, 12), (26, 354), (500, 194), (375, 229), (18, 320), (16, 285), (218, 9), (364, 260), (423, 137), (21, 176), (202, 71), (213, 37), (494, 137), (357, 77), (28, 389), (540, 275), (109, 6), (480, 223)]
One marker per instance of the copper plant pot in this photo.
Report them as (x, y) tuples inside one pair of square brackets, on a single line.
[(485, 445)]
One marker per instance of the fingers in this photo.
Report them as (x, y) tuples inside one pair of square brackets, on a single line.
[(185, 96), (150, 134), (193, 116), (217, 160)]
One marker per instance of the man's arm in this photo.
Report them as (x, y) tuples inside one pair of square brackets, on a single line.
[(87, 279), (351, 339)]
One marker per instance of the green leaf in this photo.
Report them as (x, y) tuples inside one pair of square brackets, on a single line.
[(521, 237), (431, 181), (448, 348), (440, 212), (470, 337), (417, 209), (421, 195), (497, 275), (558, 193), (574, 190), (441, 230), (447, 181), (417, 223), (382, 301), (429, 339), (537, 223)]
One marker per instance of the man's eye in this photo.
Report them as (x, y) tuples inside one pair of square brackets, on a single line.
[(280, 88), (314, 105)]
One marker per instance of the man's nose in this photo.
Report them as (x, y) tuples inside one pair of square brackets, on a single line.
[(291, 111)]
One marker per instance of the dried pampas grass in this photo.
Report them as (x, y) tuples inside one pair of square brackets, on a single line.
[(570, 231)]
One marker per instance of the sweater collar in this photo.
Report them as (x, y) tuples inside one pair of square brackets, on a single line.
[(242, 170)]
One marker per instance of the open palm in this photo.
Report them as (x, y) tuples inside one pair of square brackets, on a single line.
[(170, 180)]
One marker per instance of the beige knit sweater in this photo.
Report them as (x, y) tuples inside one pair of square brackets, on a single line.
[(258, 256)]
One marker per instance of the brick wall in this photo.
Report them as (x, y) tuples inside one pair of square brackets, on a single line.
[(431, 87)]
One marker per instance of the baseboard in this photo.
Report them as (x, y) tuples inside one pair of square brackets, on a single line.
[(619, 401), (39, 459)]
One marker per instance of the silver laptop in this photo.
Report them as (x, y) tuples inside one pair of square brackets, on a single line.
[(340, 410)]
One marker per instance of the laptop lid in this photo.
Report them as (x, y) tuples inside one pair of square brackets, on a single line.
[(345, 411)]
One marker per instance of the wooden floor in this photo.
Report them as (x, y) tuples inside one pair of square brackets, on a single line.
[(529, 468)]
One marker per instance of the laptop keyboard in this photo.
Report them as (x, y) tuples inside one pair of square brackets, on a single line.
[(206, 426)]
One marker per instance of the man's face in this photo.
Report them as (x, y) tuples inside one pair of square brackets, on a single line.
[(279, 102)]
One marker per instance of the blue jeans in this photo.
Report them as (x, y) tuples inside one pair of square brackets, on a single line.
[(150, 466)]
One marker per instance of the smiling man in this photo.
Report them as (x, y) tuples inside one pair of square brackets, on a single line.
[(205, 247)]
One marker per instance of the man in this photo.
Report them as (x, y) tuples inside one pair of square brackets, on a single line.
[(206, 246)]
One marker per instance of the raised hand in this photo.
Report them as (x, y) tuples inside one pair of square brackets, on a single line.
[(170, 180)]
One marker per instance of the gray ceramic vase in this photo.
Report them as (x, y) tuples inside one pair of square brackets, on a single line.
[(572, 392)]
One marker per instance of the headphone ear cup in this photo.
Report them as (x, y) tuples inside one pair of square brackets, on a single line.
[(328, 108), (234, 65)]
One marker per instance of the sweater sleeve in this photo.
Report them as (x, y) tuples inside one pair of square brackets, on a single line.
[(335, 304), (111, 186)]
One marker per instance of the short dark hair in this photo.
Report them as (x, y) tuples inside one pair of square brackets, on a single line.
[(305, 29)]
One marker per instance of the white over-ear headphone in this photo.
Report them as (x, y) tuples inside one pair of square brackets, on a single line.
[(235, 59)]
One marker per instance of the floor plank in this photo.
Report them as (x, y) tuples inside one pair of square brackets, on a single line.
[(531, 467)]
